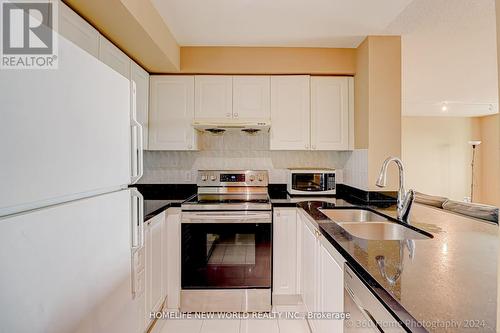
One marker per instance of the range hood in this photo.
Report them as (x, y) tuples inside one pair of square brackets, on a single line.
[(222, 127)]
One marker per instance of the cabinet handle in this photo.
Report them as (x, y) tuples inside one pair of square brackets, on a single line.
[(235, 115), (228, 115), (306, 146), (190, 146)]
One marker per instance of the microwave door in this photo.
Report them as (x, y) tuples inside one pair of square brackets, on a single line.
[(307, 182)]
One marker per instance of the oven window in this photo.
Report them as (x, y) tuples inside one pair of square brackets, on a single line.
[(312, 182), (226, 255)]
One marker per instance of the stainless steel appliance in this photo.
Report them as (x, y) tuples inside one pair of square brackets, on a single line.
[(367, 313), (226, 243), (312, 181)]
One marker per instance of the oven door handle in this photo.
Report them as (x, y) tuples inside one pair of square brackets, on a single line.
[(219, 217)]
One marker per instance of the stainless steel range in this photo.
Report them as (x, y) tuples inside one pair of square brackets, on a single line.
[(226, 243)]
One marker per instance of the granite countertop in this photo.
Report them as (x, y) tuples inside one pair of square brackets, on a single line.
[(155, 207), (450, 279)]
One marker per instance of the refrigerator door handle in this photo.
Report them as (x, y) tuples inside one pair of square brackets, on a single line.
[(137, 211), (137, 220), (137, 139)]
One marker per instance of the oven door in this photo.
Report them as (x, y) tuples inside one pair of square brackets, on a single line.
[(226, 250)]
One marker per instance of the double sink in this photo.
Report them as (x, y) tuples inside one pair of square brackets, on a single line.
[(371, 226)]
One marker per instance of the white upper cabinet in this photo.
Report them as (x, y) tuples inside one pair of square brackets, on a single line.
[(252, 98), (114, 57), (141, 79), (171, 113), (214, 97), (329, 113), (290, 115), (77, 30)]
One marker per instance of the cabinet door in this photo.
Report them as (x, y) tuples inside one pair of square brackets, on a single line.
[(290, 113), (77, 30), (252, 98), (330, 291), (171, 113), (214, 97), (329, 113), (309, 262), (114, 57), (155, 263), (141, 79), (284, 252), (173, 258)]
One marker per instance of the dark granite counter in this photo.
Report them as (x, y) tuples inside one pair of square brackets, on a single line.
[(447, 283), (155, 207)]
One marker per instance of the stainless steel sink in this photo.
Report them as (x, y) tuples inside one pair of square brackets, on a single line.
[(352, 215), (368, 225), (380, 231)]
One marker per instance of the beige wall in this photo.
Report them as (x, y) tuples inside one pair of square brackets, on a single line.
[(135, 27), (378, 104), (361, 102), (267, 60), (437, 155), (497, 6), (385, 106), (489, 155)]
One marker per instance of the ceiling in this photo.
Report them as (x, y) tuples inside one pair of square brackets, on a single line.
[(449, 57), (305, 23)]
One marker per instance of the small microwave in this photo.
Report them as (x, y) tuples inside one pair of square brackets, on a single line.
[(311, 181)]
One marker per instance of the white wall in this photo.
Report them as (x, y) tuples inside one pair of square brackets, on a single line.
[(233, 151), (437, 155), (448, 54)]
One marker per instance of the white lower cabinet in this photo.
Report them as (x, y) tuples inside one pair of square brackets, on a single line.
[(156, 257), (158, 267), (321, 277), (331, 288), (285, 273), (173, 258)]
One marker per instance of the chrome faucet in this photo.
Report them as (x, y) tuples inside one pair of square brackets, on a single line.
[(405, 199)]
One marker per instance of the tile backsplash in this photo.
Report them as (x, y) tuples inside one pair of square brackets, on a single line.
[(356, 169), (236, 151)]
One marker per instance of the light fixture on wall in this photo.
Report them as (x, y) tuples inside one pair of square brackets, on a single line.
[(474, 144), (444, 107)]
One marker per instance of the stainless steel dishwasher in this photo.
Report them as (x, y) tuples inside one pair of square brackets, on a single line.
[(367, 313)]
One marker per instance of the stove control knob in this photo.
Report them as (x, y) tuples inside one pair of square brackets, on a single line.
[(213, 178), (204, 178), (252, 178)]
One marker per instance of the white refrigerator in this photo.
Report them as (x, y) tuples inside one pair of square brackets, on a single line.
[(69, 224)]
